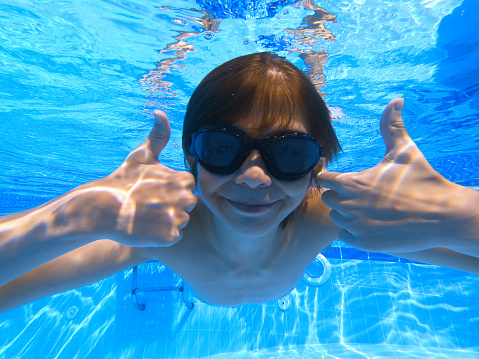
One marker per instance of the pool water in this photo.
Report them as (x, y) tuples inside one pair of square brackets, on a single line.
[(79, 81)]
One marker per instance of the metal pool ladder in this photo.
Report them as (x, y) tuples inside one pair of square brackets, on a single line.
[(135, 290)]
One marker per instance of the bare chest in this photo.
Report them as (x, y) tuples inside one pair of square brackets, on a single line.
[(219, 281), (249, 284)]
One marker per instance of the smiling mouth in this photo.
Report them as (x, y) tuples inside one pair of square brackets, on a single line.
[(251, 208)]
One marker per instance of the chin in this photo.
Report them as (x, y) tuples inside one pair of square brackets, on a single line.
[(254, 227)]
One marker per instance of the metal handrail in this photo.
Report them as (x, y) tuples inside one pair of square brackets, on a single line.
[(135, 290)]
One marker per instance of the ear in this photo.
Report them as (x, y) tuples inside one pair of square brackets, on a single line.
[(321, 167)]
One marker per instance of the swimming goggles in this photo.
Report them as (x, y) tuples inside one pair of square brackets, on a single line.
[(222, 151)]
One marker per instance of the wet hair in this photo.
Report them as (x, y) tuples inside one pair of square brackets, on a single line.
[(258, 91)]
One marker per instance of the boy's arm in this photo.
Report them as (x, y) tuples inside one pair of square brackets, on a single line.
[(141, 204), (444, 257), (82, 266)]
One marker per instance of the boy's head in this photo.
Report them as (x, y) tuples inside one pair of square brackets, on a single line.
[(258, 91)]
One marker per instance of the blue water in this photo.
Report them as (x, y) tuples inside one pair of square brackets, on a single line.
[(79, 81)]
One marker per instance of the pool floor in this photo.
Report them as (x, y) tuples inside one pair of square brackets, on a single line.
[(366, 309)]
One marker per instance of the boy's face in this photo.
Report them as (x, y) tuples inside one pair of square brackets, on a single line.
[(251, 201)]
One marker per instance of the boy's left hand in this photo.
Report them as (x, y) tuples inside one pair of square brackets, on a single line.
[(400, 205)]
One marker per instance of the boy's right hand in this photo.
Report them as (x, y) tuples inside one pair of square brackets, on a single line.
[(142, 203)]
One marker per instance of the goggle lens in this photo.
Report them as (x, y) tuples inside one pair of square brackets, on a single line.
[(216, 149), (295, 155)]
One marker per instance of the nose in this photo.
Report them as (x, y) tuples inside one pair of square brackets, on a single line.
[(252, 172)]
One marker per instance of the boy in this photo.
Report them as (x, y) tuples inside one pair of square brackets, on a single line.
[(256, 135)]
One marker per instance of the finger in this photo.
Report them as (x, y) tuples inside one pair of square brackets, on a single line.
[(338, 219), (175, 235), (186, 178), (331, 199), (149, 150), (329, 180), (190, 203), (182, 221), (393, 129)]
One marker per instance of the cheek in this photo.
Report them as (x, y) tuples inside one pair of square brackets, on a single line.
[(299, 188), (208, 182), (202, 179)]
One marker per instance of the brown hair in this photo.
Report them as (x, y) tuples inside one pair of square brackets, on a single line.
[(264, 89)]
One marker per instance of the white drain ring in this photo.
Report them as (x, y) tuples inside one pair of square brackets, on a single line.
[(317, 281)]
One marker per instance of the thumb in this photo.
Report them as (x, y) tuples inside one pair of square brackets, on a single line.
[(159, 134), (393, 129), (149, 150)]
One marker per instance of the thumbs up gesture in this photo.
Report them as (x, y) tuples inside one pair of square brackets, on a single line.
[(142, 203), (400, 205)]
